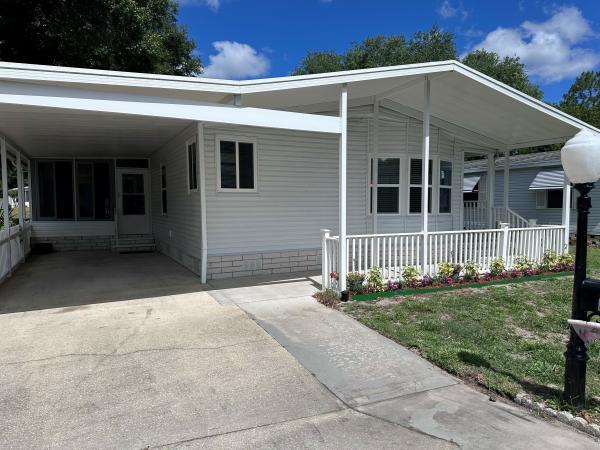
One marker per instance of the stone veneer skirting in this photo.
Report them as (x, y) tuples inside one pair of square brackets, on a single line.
[(74, 243), (285, 261)]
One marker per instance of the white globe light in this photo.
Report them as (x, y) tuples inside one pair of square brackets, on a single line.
[(581, 157)]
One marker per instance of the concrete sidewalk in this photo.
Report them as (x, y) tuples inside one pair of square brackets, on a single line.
[(374, 375)]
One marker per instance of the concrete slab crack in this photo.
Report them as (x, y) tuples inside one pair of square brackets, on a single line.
[(145, 350)]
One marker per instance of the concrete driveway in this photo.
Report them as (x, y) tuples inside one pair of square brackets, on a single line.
[(99, 350), (373, 375)]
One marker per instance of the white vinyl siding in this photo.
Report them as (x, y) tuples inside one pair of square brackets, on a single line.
[(297, 176), (178, 234)]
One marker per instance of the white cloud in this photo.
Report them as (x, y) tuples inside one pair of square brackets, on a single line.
[(212, 4), (449, 11), (550, 50), (236, 61)]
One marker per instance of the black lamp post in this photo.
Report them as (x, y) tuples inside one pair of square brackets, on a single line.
[(576, 354), (581, 161)]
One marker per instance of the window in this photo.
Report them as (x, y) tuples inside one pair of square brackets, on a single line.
[(445, 200), (192, 155), (70, 190), (163, 189), (552, 199), (416, 185), (134, 199), (388, 185), (236, 163)]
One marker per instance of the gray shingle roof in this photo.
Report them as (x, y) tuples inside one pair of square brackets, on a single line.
[(542, 159)]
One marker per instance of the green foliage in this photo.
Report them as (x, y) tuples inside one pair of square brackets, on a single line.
[(434, 44), (379, 51), (497, 267), (127, 35), (355, 281), (523, 263), (411, 275), (327, 297), (508, 340), (375, 280), (549, 259), (509, 70), (471, 270), (448, 270), (582, 100)]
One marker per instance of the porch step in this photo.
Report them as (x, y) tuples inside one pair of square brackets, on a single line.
[(133, 243)]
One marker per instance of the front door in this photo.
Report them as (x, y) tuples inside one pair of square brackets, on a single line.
[(133, 201)]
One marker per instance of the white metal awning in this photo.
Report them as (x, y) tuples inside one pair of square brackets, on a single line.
[(469, 183), (548, 179)]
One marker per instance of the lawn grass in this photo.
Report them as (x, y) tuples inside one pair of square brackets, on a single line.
[(508, 338)]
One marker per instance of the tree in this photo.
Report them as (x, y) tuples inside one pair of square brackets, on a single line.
[(424, 46), (582, 100), (379, 51), (508, 70), (126, 35)]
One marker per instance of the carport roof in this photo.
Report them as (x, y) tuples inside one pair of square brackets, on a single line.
[(461, 98)]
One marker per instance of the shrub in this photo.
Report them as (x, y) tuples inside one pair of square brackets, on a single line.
[(549, 260), (327, 297), (375, 279), (522, 263), (497, 267), (394, 285), (563, 263), (471, 270), (355, 281), (411, 276), (448, 270)]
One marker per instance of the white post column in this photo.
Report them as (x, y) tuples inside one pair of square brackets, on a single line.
[(203, 231), (491, 176), (375, 162), (20, 192), (425, 176), (5, 217), (506, 179), (343, 150), (566, 212)]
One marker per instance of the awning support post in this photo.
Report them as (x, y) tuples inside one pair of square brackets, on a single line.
[(343, 150), (425, 176), (506, 179), (491, 185)]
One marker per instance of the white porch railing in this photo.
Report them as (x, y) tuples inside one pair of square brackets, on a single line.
[(14, 247), (506, 215), (476, 216), (393, 252)]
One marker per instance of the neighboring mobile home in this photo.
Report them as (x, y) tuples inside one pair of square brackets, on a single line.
[(535, 188), (235, 178)]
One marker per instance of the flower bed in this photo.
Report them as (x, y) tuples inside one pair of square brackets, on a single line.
[(371, 285), (441, 287)]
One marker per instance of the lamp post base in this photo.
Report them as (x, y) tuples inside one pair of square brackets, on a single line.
[(575, 372)]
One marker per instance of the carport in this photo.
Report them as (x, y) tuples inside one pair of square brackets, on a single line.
[(98, 129)]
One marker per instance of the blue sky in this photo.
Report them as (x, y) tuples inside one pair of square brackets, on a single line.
[(258, 38)]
